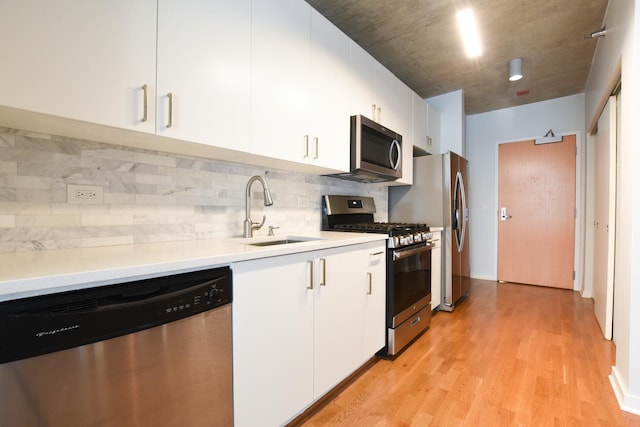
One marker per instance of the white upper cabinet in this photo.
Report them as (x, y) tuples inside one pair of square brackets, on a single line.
[(204, 63), (378, 94), (300, 65), (433, 130), (421, 123), (394, 105), (270, 82), (330, 84), (85, 60), (280, 39), (426, 125), (363, 82)]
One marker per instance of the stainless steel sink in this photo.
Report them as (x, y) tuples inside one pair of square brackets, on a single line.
[(283, 241), (277, 242)]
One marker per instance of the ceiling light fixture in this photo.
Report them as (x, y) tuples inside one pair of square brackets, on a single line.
[(469, 31), (515, 69)]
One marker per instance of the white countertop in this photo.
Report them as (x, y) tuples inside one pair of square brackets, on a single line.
[(24, 274)]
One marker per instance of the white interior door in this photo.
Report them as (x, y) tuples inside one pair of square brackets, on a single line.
[(604, 218)]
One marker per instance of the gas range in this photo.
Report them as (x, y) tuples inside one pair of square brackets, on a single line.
[(355, 213), (408, 305)]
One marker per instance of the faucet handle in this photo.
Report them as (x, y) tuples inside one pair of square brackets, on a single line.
[(271, 228), (258, 226)]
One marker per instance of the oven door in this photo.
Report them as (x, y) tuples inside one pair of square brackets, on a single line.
[(409, 281)]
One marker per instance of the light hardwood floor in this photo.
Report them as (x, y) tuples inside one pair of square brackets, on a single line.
[(510, 355)]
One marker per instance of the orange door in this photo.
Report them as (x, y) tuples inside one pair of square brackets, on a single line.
[(536, 214)]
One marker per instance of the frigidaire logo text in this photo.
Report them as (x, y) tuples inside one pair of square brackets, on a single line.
[(55, 331)]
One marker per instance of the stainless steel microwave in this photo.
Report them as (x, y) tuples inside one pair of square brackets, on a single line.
[(376, 152)]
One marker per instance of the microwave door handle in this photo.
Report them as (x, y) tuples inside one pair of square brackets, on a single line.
[(395, 144)]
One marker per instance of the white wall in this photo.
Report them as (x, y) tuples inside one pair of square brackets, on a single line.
[(622, 42), (484, 132), (452, 121)]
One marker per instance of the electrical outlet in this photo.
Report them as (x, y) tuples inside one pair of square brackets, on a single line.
[(303, 202), (85, 194)]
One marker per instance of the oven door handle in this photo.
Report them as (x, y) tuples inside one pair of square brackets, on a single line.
[(405, 253)]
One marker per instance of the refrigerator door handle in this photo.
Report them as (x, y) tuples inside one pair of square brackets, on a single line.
[(465, 211)]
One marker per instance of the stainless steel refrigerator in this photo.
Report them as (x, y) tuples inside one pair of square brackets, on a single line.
[(438, 197)]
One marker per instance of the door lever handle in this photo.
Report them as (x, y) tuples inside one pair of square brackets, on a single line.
[(503, 214)]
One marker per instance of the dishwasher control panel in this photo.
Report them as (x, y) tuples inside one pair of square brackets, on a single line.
[(44, 324), (205, 296)]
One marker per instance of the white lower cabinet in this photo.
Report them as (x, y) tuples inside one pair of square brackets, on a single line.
[(302, 323), (375, 300), (436, 271), (272, 339), (337, 319)]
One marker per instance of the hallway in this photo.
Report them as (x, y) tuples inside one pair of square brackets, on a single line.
[(511, 355)]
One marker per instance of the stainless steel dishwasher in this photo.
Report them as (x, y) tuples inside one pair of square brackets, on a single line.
[(154, 352)]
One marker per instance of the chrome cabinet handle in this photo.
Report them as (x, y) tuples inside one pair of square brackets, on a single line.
[(323, 262), (306, 146), (145, 90), (370, 275), (316, 142), (377, 253), (170, 122), (379, 114), (373, 112), (310, 264)]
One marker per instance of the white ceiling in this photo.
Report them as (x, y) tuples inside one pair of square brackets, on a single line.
[(418, 41)]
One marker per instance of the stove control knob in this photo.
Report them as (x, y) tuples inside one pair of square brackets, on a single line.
[(406, 240), (417, 237)]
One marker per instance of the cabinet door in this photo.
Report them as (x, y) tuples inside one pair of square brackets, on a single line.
[(204, 54), (436, 272), (375, 296), (81, 60), (363, 82), (338, 314), (396, 103), (420, 123), (434, 130), (395, 111), (328, 110), (272, 339), (280, 78)]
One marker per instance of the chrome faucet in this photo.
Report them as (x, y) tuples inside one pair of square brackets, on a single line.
[(249, 225)]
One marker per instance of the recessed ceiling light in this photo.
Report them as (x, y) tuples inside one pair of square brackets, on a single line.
[(469, 32)]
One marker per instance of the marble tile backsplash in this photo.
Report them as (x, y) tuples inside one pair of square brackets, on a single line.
[(148, 196)]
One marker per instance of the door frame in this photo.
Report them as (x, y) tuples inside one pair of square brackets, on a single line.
[(579, 232)]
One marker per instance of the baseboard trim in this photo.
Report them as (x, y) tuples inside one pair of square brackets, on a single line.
[(627, 402), (483, 277), (586, 294)]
